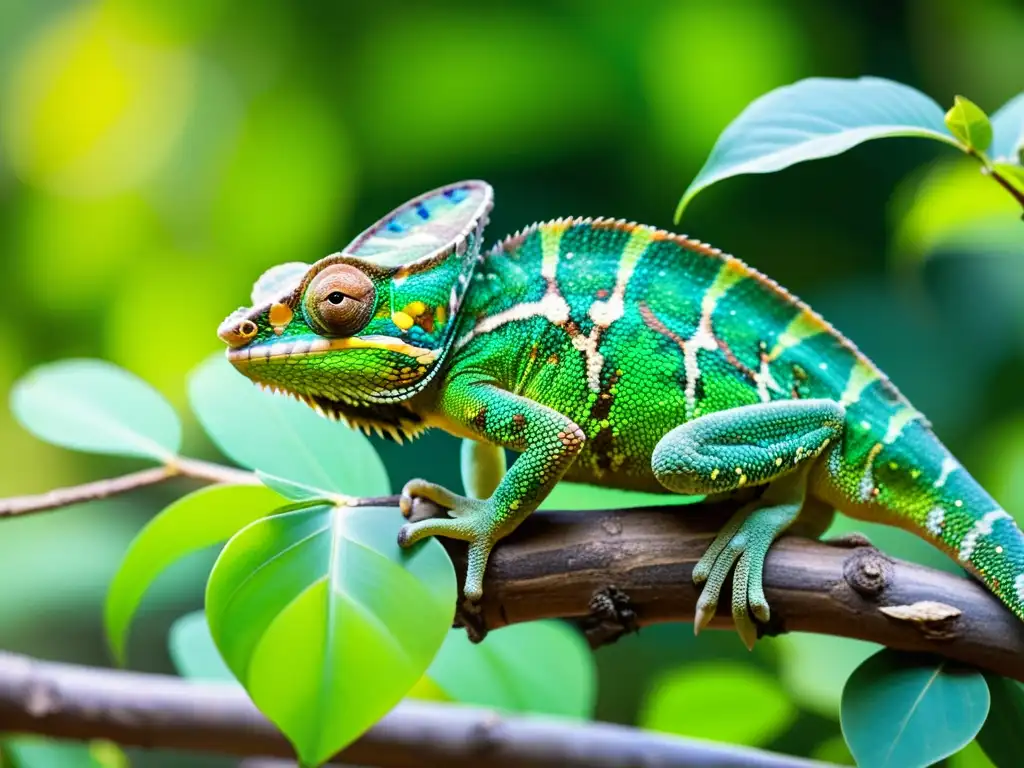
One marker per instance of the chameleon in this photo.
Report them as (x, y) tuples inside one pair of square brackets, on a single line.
[(620, 355)]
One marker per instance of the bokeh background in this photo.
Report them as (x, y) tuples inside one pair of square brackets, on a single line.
[(156, 156)]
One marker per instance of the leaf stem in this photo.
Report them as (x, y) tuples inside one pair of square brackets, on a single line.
[(114, 486), (989, 169), (1002, 181)]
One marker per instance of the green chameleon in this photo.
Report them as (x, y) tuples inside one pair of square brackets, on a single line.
[(615, 354)]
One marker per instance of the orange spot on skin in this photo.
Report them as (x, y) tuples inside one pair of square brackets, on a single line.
[(280, 315), (553, 360), (602, 294)]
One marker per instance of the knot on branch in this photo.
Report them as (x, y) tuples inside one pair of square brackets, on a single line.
[(868, 572), (611, 617)]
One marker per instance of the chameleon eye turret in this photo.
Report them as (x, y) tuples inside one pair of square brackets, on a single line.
[(339, 300)]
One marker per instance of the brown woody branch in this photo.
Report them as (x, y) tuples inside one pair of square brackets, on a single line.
[(620, 569), (101, 489), (157, 711)]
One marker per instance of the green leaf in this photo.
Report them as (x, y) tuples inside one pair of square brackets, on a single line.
[(95, 406), (206, 517), (326, 621), (952, 207), (35, 752), (281, 436), (193, 651), (814, 118), (1008, 130), (907, 710), (295, 491), (722, 701), (1002, 736), (579, 496), (543, 666), (969, 123), (814, 668)]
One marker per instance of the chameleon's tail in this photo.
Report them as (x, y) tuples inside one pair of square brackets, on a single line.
[(959, 516)]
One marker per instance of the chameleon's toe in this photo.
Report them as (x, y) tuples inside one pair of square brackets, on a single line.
[(741, 547), (456, 505)]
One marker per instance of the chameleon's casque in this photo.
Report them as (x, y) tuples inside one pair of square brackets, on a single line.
[(615, 354)]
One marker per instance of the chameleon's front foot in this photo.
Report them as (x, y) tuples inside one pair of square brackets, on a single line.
[(743, 543), (472, 520)]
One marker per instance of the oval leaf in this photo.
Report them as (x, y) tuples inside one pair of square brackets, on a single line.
[(206, 517), (814, 118), (299, 491), (894, 703), (969, 123), (691, 702), (542, 666), (326, 621), (1008, 131), (95, 406), (193, 651), (281, 436), (1002, 736)]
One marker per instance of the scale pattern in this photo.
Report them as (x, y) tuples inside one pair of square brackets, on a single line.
[(631, 331)]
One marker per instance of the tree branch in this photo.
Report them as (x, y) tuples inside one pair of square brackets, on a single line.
[(157, 711), (620, 569), (102, 489)]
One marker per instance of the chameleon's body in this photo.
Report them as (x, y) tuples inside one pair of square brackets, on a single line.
[(619, 355)]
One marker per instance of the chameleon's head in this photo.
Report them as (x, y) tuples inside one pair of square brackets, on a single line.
[(361, 332)]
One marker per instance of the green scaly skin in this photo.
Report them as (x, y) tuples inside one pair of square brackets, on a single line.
[(620, 355)]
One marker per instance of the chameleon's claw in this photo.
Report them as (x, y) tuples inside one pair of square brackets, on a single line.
[(703, 615)]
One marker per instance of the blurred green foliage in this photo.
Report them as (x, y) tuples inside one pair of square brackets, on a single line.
[(155, 157)]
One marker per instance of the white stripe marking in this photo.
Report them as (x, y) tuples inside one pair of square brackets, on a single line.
[(934, 521), (949, 465), (982, 527)]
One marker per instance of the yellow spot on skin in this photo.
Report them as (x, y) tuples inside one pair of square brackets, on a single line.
[(915, 473), (958, 503), (415, 308), (739, 470), (999, 550), (440, 315), (280, 315), (778, 462), (743, 480), (714, 473), (402, 320), (514, 504)]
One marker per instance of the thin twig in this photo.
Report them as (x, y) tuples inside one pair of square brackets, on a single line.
[(1007, 185), (102, 489), (158, 711)]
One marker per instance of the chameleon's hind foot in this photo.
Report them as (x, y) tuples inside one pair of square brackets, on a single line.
[(471, 520), (741, 547)]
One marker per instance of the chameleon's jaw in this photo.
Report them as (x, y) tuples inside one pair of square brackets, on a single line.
[(279, 351)]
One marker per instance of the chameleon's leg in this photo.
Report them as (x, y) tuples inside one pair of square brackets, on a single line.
[(549, 443), (483, 466), (768, 443)]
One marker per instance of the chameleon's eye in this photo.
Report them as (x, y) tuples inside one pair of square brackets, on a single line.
[(339, 300)]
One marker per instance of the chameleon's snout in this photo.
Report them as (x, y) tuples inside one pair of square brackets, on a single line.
[(237, 331)]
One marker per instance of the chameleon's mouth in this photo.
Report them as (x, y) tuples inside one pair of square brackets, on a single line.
[(284, 350)]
